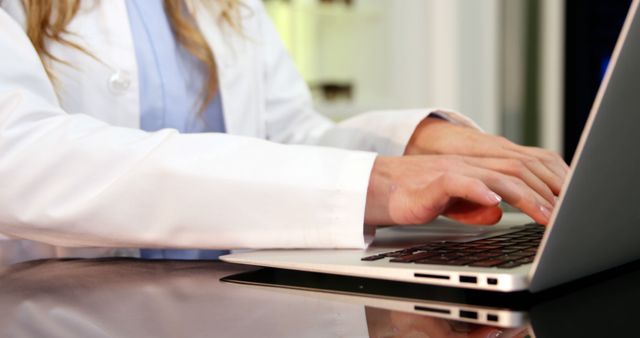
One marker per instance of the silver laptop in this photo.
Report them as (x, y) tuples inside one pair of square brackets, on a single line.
[(595, 226)]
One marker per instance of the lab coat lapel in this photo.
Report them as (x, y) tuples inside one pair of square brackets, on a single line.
[(239, 68)]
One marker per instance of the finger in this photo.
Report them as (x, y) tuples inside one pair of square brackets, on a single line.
[(519, 195), (515, 192), (553, 181), (516, 168), (547, 165), (471, 213), (532, 158), (437, 196), (551, 159)]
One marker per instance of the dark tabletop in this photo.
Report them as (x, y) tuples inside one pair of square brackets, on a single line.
[(138, 298)]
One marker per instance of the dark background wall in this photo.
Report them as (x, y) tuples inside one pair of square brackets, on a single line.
[(593, 27)]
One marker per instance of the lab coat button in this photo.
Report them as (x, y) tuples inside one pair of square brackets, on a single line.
[(119, 82)]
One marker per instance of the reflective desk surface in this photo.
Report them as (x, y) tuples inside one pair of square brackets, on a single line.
[(137, 298)]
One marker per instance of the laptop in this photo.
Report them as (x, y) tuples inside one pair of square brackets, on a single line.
[(595, 225)]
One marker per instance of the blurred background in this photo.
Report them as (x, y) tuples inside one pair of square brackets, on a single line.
[(525, 69)]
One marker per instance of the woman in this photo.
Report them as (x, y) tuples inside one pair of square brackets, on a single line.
[(76, 89)]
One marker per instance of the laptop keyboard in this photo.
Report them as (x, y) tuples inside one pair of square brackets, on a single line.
[(503, 251)]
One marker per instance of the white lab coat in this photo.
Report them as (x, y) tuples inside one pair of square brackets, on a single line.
[(76, 171)]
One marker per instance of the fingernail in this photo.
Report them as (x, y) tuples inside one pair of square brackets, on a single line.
[(494, 197), (545, 211), (494, 334)]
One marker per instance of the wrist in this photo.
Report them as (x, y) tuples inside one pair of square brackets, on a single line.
[(419, 141), (376, 208)]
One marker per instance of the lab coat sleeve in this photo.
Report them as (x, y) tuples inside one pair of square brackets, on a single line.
[(71, 180), (290, 117)]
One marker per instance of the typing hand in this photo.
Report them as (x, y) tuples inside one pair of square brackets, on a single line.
[(417, 189), (544, 171)]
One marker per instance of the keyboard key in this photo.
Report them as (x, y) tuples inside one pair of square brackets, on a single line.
[(500, 239), (473, 250), (509, 265), (489, 247), (487, 263), (504, 251), (455, 262), (451, 255), (484, 242), (508, 243), (373, 258), (526, 260), (434, 260), (511, 257), (476, 258), (442, 251), (487, 254), (521, 254), (413, 257), (463, 244), (427, 247), (400, 253)]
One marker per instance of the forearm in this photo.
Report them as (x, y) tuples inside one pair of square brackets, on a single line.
[(78, 182)]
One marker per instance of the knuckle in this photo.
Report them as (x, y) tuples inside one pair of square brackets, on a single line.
[(449, 162), (530, 161), (473, 187), (548, 157), (519, 184), (516, 167), (442, 163), (447, 179), (520, 198), (492, 179)]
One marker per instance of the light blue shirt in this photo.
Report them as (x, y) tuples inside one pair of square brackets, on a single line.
[(171, 82)]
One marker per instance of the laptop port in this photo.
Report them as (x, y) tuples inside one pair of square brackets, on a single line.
[(431, 309), (468, 314), (492, 281), (492, 318), (424, 275), (468, 279)]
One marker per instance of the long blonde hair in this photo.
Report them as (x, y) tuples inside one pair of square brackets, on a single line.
[(47, 20)]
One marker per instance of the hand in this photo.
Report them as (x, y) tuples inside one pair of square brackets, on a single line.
[(544, 171), (416, 189)]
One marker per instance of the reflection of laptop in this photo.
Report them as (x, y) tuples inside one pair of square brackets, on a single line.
[(471, 306), (595, 227), (594, 307)]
